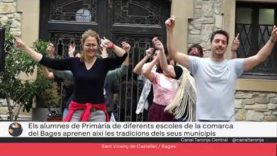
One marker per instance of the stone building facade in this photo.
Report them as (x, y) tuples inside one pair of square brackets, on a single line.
[(8, 12), (256, 99)]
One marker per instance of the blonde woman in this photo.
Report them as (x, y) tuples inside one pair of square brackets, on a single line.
[(89, 73)]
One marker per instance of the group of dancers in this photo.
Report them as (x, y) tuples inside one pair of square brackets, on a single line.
[(197, 89)]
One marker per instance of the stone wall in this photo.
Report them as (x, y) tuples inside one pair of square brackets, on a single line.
[(8, 13), (207, 18), (250, 106), (256, 106)]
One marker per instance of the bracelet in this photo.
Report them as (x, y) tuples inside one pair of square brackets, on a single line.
[(111, 46)]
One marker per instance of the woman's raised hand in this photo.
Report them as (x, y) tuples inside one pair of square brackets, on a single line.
[(170, 23), (19, 43), (105, 43), (126, 46)]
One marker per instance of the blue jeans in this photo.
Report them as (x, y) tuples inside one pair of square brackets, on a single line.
[(65, 112)]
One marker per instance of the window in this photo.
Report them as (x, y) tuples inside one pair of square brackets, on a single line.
[(254, 22)]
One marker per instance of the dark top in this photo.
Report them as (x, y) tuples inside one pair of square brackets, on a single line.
[(88, 84), (177, 69), (178, 72), (112, 82)]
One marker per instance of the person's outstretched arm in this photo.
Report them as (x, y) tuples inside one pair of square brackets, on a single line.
[(138, 68), (36, 56), (179, 57), (126, 46), (262, 54), (110, 45), (121, 71), (59, 64)]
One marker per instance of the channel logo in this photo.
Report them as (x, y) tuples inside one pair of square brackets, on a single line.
[(15, 129)]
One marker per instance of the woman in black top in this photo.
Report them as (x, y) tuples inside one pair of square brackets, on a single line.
[(89, 73)]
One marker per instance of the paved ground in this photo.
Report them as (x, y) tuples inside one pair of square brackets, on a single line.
[(22, 115)]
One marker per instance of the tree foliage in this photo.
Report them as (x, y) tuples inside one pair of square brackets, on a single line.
[(12, 88)]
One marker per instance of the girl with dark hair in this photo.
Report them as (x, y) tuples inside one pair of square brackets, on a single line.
[(165, 83)]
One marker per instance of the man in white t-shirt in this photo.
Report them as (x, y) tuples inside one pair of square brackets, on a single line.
[(215, 76)]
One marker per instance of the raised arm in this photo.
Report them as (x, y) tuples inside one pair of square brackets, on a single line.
[(138, 68), (147, 68), (179, 57), (71, 50), (110, 45), (28, 50), (167, 69), (263, 53), (104, 53), (59, 64), (126, 46), (235, 47), (121, 71)]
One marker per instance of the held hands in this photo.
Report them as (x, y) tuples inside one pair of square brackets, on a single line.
[(235, 44), (273, 37), (170, 23)]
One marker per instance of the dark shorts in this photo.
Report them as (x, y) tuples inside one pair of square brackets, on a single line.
[(156, 113)]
